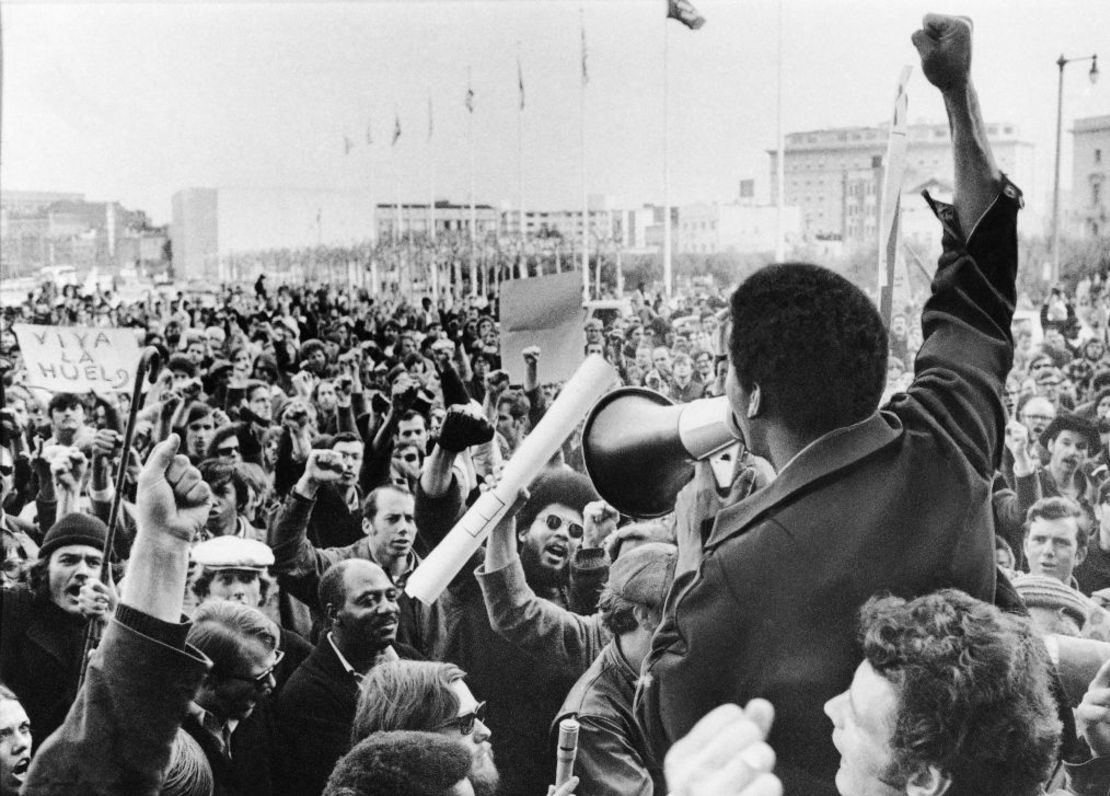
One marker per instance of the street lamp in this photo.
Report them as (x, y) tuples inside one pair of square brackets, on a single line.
[(1061, 62)]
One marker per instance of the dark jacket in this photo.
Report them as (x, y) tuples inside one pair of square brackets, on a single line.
[(249, 769), (40, 653), (613, 755), (117, 738), (315, 712), (899, 502)]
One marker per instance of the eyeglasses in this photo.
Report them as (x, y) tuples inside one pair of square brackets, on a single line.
[(7, 469), (1038, 418), (465, 723), (262, 680), (555, 522), (229, 451)]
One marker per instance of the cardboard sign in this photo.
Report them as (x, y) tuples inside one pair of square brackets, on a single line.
[(78, 358), (545, 311)]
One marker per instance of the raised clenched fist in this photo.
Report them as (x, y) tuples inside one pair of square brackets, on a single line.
[(172, 497), (944, 44)]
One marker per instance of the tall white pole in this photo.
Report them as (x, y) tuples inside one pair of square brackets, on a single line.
[(780, 231), (432, 206), (582, 153), (523, 262), (668, 277), (398, 231), (473, 212)]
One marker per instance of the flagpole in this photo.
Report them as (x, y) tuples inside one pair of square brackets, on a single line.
[(522, 265), (373, 210), (473, 213), (582, 153), (667, 274), (432, 206), (398, 233), (780, 176)]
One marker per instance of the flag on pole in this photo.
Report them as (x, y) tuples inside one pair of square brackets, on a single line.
[(585, 71), (348, 145), (520, 81), (431, 121), (684, 12), (396, 128), (470, 99)]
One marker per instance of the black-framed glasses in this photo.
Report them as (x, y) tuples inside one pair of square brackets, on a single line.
[(555, 522), (228, 451), (261, 681), (465, 723)]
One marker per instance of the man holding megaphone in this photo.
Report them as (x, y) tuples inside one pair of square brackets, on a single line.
[(865, 500)]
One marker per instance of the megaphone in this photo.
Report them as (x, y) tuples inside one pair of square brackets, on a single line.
[(640, 447)]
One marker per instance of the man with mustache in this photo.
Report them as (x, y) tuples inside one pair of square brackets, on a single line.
[(1069, 440), (42, 626), (432, 697)]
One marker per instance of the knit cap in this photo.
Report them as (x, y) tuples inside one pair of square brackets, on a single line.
[(75, 528), (1041, 591)]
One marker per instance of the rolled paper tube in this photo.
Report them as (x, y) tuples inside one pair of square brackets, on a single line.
[(592, 379), (567, 751)]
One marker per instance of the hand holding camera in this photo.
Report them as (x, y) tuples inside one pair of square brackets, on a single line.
[(106, 443)]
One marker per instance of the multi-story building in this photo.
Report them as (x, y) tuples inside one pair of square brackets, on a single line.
[(29, 203), (606, 222), (195, 234), (1088, 214), (213, 226), (739, 228), (399, 221), (43, 228), (825, 170)]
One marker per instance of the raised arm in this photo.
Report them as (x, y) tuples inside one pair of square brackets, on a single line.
[(968, 349), (142, 667), (527, 621), (296, 560), (944, 44)]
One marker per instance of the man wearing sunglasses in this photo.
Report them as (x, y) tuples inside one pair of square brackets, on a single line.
[(430, 697), (230, 717)]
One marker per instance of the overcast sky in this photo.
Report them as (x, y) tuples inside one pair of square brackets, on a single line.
[(133, 101)]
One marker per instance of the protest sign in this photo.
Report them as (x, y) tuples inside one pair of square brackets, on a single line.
[(78, 358), (547, 312)]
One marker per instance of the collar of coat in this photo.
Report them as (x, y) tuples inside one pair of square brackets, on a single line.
[(834, 451)]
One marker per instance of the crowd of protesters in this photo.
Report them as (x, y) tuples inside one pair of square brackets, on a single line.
[(934, 577)]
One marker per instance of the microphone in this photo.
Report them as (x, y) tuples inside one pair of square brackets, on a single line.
[(567, 751)]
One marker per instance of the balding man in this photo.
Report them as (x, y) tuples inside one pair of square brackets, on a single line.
[(317, 706)]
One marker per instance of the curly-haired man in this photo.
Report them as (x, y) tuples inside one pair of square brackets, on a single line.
[(952, 697)]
